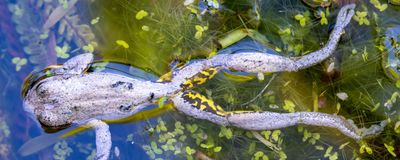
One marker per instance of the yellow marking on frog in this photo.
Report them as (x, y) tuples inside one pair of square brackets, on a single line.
[(200, 78), (165, 77), (201, 102)]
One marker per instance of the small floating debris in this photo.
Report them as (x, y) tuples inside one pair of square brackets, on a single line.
[(342, 96)]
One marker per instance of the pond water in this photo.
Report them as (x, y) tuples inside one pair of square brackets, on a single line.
[(145, 39)]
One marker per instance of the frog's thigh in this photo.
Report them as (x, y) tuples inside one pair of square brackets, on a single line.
[(200, 78), (103, 139), (198, 106)]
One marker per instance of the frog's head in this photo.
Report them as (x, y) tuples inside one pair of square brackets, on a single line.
[(37, 92)]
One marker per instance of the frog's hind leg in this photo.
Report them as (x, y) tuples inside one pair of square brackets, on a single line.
[(198, 106), (271, 120), (259, 61), (103, 138)]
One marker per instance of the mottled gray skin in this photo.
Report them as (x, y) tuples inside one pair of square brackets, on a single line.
[(72, 96)]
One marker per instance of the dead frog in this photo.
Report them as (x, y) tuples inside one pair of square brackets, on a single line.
[(72, 96)]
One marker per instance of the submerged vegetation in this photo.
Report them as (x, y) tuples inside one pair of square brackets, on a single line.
[(353, 83), (360, 82)]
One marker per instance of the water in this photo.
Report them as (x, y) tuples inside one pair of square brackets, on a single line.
[(365, 68)]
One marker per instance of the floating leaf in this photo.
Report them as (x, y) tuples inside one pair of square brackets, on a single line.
[(145, 28), (189, 151), (19, 62), (344, 145), (217, 149), (95, 20), (62, 51), (88, 48), (141, 14), (275, 135), (192, 128), (390, 149), (288, 105), (122, 43)]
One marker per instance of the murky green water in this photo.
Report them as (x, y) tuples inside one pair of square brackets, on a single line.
[(360, 82)]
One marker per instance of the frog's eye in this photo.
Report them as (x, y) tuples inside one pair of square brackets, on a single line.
[(36, 77)]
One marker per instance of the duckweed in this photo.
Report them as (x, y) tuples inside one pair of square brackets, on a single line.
[(19, 62), (122, 43), (361, 17)]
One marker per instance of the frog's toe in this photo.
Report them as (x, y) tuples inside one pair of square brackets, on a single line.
[(345, 14), (78, 64)]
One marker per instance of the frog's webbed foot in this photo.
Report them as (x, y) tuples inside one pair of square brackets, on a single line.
[(103, 138), (75, 65), (198, 106), (373, 130)]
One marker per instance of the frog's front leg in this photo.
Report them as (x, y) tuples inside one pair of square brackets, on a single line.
[(103, 138), (75, 65)]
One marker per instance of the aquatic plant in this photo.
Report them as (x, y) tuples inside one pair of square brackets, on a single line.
[(352, 83), (35, 22)]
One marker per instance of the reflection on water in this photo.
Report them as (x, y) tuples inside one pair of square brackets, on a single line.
[(361, 82)]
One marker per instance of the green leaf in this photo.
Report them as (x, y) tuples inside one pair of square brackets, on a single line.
[(88, 48), (141, 14), (199, 28), (122, 43), (398, 83), (95, 20), (390, 149), (146, 147), (182, 138), (361, 14), (328, 151), (252, 147), (189, 151), (258, 154), (324, 21), (343, 145), (288, 105), (382, 7), (397, 127), (158, 151), (303, 22), (192, 128), (275, 135), (145, 28), (298, 17), (22, 62), (198, 34), (15, 60), (153, 145), (217, 149), (334, 156)]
